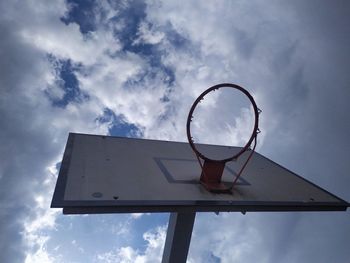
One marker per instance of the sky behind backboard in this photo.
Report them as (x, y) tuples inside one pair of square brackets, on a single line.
[(133, 68)]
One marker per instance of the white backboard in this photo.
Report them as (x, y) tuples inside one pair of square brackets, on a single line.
[(104, 174)]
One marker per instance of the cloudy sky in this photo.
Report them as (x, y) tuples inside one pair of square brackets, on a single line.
[(133, 68)]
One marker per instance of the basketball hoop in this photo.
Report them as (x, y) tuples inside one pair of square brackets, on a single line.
[(212, 169)]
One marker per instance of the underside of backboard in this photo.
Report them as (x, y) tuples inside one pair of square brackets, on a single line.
[(105, 174)]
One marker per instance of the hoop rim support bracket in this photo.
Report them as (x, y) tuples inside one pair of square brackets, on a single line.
[(211, 177)]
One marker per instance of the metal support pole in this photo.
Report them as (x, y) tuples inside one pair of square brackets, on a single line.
[(178, 237)]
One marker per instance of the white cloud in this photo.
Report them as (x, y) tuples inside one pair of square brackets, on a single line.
[(40, 255), (229, 238), (153, 252), (146, 34), (66, 41), (138, 215)]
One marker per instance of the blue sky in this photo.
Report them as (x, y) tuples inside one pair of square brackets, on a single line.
[(133, 68)]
